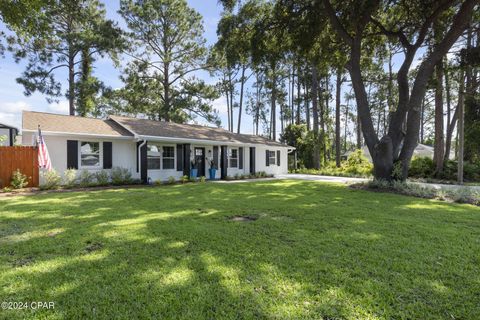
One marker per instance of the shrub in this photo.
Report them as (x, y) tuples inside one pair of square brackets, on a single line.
[(421, 167), (51, 180), (449, 170), (203, 179), (7, 189), (236, 176), (464, 195), (171, 180), (70, 177), (86, 178), (184, 179), (471, 171), (121, 176), (19, 180), (102, 177), (357, 164)]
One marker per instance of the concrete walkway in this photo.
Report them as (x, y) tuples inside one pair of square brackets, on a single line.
[(310, 177)]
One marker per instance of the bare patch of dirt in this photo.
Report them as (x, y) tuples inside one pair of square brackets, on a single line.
[(93, 246), (243, 218), (22, 261)]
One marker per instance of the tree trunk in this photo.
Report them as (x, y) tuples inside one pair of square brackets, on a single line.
[(461, 129), (298, 119), (242, 84), (166, 89), (273, 108), (337, 118), (346, 127), (71, 81), (316, 151), (439, 145), (307, 106)]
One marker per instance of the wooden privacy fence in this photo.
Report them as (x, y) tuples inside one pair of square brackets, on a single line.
[(23, 158)]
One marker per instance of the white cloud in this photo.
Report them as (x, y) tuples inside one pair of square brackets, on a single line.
[(12, 119), (14, 107), (220, 105), (61, 107)]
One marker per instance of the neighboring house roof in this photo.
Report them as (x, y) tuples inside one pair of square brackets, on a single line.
[(421, 150), (6, 126), (152, 128), (50, 122), (118, 126)]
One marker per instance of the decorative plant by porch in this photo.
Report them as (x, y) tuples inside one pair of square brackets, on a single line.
[(213, 170)]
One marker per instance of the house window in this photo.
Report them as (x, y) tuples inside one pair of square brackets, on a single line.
[(168, 157), (233, 158), (153, 157), (90, 154), (272, 158)]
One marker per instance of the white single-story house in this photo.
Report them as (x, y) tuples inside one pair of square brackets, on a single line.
[(154, 150), (10, 133)]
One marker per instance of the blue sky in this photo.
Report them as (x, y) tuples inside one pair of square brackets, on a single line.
[(14, 101)]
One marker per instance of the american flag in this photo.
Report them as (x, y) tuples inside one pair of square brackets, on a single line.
[(43, 157)]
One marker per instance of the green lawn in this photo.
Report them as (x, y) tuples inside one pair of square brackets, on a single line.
[(317, 251)]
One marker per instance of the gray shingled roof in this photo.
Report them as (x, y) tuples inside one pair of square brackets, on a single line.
[(71, 124), (128, 127), (145, 127)]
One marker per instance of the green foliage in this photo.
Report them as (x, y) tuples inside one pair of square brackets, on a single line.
[(357, 164), (171, 180), (421, 167), (19, 180), (184, 179), (70, 178), (51, 180), (397, 172), (67, 29), (424, 168), (102, 177), (86, 178), (167, 46), (460, 195), (472, 127), (121, 176), (3, 138), (203, 179)]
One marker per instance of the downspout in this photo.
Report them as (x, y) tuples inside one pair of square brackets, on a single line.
[(140, 156)]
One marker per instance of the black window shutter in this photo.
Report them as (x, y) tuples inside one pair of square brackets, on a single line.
[(215, 156), (240, 158), (107, 155), (179, 157), (72, 154), (186, 159), (267, 158), (278, 157)]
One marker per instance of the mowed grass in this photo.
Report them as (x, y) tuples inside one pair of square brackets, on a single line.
[(316, 251)]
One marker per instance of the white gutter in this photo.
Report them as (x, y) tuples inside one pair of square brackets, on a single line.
[(59, 133), (207, 142)]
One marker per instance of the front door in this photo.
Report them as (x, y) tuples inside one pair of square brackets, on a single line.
[(252, 160), (200, 160)]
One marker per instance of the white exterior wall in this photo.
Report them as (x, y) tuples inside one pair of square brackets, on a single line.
[(123, 152), (260, 161), (124, 156)]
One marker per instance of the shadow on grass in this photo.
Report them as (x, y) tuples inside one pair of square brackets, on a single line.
[(316, 251)]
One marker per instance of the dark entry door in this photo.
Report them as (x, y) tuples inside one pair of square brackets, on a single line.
[(252, 160), (200, 160)]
